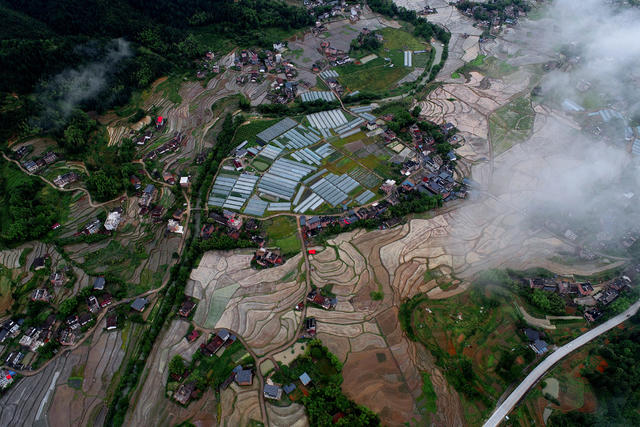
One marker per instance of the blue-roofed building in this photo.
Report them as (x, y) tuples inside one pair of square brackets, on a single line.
[(635, 148), (272, 392), (305, 378), (539, 346), (288, 389)]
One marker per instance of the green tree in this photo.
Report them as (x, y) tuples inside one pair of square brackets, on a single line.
[(176, 365), (68, 306)]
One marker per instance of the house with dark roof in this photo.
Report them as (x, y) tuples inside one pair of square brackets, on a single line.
[(186, 308), (38, 263), (139, 304), (84, 318), (112, 322), (585, 288), (99, 283), (184, 392), (532, 334), (244, 377)]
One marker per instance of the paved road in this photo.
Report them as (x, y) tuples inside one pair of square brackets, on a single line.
[(503, 410)]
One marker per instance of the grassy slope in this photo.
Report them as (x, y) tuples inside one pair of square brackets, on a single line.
[(282, 232)]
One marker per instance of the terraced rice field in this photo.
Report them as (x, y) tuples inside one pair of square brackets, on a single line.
[(259, 303)]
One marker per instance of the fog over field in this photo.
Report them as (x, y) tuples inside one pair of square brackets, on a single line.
[(576, 179)]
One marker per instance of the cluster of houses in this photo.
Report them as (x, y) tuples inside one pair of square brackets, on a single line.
[(594, 297), (22, 151), (312, 226), (274, 391), (29, 339), (37, 165), (256, 66), (325, 10), (282, 91), (316, 297), (493, 19), (145, 203), (174, 144), (229, 223), (66, 179), (604, 241), (333, 55), (189, 391), (95, 226), (207, 65), (267, 258)]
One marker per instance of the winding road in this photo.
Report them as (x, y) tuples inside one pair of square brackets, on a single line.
[(510, 402)]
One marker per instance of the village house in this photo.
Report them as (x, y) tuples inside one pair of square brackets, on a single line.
[(305, 379), (93, 304), (593, 314), (268, 258), (215, 344), (41, 294), (6, 378), (184, 392), (169, 178), (193, 335), (289, 388), (14, 359), (186, 308), (147, 196), (139, 304), (113, 220), (157, 213), (105, 300), (57, 278), (243, 376), (65, 179), (317, 298), (67, 337), (84, 319), (39, 263), (273, 392), (112, 322), (93, 227), (539, 346), (50, 157), (174, 226), (135, 182), (30, 166), (99, 283), (310, 325)]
